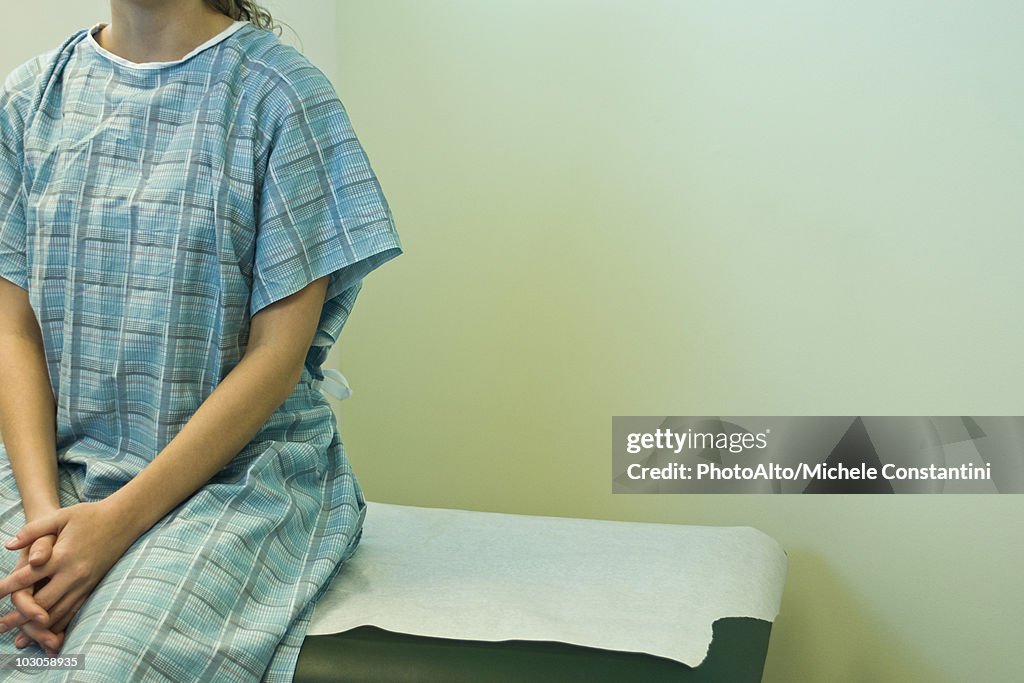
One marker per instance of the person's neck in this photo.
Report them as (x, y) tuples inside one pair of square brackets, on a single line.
[(159, 30)]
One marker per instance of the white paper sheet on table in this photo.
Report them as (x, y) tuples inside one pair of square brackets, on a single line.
[(637, 587)]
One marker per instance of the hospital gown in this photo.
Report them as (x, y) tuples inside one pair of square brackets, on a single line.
[(150, 210)]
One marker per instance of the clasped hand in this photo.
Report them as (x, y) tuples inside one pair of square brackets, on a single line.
[(64, 555)]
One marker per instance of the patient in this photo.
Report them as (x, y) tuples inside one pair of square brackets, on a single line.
[(186, 217)]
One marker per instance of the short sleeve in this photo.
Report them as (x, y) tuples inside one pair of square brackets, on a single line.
[(321, 210), (12, 203)]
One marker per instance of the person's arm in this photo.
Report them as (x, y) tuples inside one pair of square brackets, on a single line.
[(279, 338), (27, 409), (27, 424), (91, 537)]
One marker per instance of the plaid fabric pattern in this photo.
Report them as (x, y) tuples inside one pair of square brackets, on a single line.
[(150, 213)]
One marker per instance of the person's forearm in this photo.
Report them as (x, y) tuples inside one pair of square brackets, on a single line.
[(27, 420), (222, 426)]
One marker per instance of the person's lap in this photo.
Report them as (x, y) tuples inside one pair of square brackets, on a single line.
[(185, 601)]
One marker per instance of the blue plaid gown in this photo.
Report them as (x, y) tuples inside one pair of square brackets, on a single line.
[(150, 210)]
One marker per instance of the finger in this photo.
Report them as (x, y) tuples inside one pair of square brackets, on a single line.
[(40, 550), (61, 607), (21, 578), (68, 607), (12, 620), (62, 624), (28, 606), (59, 639), (25, 609), (28, 534), (46, 638), (59, 595)]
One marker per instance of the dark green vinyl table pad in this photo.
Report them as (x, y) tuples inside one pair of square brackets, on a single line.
[(372, 655)]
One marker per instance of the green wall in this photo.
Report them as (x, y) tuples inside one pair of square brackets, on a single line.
[(702, 209)]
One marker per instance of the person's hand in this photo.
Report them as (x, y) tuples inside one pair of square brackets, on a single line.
[(28, 614), (89, 541)]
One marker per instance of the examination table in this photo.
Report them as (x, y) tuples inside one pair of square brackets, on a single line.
[(457, 596)]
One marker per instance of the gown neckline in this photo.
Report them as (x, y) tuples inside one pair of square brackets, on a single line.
[(158, 65)]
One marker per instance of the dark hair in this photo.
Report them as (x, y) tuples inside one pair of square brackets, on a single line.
[(244, 10)]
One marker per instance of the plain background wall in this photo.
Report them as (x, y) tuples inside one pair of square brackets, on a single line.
[(692, 208), (666, 207)]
